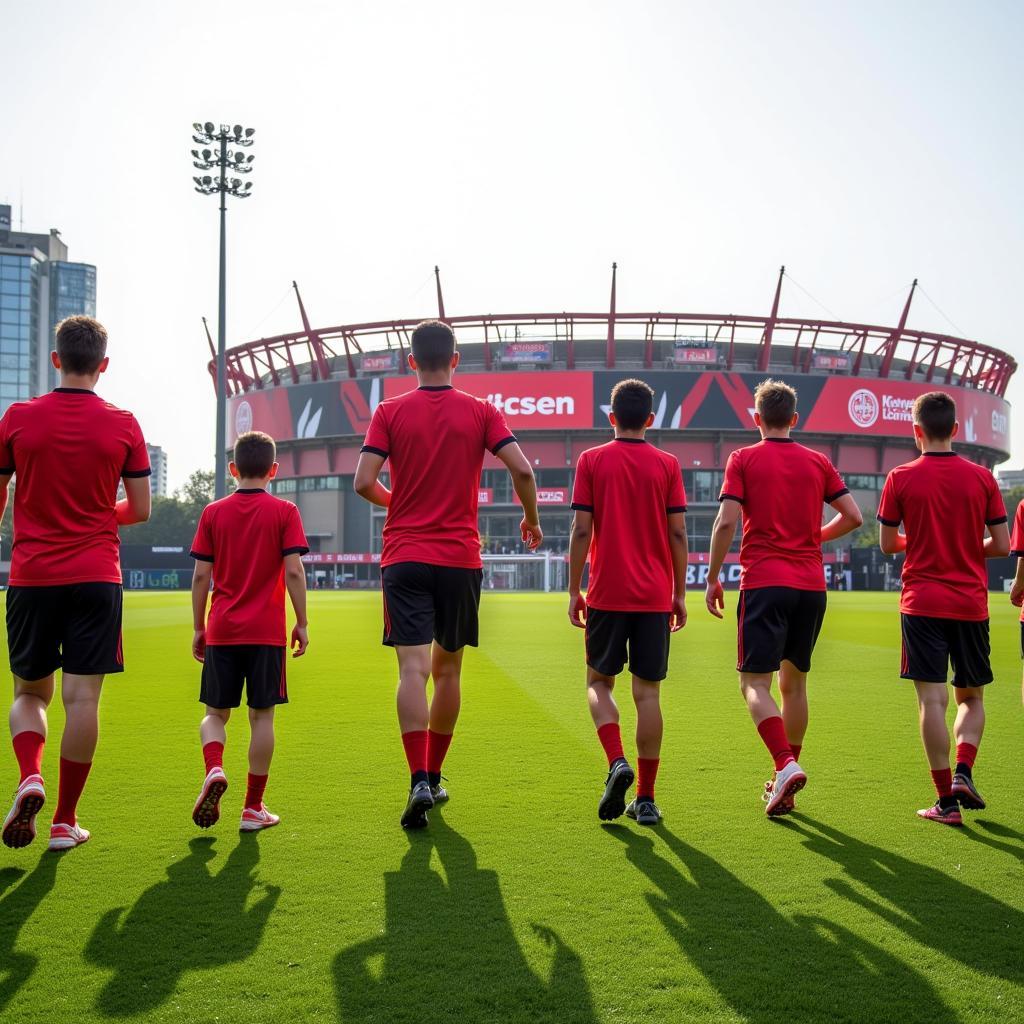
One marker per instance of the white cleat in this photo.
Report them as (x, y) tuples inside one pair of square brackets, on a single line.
[(788, 782), (20, 823), (207, 807), (256, 819), (66, 837)]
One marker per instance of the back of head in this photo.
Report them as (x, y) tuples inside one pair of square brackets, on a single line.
[(632, 402), (775, 402), (433, 345), (81, 344), (935, 414), (255, 455)]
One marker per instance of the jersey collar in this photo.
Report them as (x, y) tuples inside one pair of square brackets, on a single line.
[(435, 387), (779, 440), (249, 490), (632, 440), (939, 454), (74, 391)]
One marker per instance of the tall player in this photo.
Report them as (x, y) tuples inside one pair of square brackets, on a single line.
[(70, 450), (945, 504), (435, 439), (630, 504), (779, 486)]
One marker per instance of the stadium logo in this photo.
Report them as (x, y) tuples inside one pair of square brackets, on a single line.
[(530, 405), (863, 408), (243, 418)]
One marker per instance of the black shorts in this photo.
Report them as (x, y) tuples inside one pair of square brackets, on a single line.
[(930, 644), (260, 668), (777, 624), (75, 627), (423, 603), (642, 636)]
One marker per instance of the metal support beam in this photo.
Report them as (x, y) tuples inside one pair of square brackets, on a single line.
[(894, 338), (440, 297), (769, 328), (609, 354), (319, 359)]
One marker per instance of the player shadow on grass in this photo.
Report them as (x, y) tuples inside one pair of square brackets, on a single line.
[(769, 967), (930, 906), (16, 907), (194, 920), (449, 952), (994, 835)]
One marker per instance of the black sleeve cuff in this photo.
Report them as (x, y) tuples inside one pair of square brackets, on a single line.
[(729, 497), (6, 470), (996, 522), (887, 522), (200, 558), (829, 498), (502, 443), (580, 507), (1016, 554), (302, 550), (672, 509), (134, 474), (374, 451)]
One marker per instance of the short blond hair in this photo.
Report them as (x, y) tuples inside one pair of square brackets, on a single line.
[(775, 402)]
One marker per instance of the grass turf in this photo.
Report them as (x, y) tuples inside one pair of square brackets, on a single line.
[(516, 904)]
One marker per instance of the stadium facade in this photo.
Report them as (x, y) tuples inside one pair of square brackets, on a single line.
[(551, 374)]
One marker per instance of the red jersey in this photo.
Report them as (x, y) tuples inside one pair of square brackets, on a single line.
[(70, 450), (781, 486), (944, 502), (630, 487), (435, 439), (1017, 539), (247, 536)]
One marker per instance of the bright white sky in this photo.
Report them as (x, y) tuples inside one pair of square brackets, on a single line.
[(522, 147)]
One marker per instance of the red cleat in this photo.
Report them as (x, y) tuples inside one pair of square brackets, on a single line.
[(943, 815)]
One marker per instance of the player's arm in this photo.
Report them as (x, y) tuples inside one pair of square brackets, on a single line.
[(679, 546), (137, 503), (201, 578), (890, 540), (525, 485), (1017, 590), (580, 536), (722, 534), (295, 581), (367, 483), (997, 543), (847, 519)]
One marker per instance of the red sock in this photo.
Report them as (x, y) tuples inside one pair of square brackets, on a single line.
[(255, 787), (647, 772), (611, 740), (773, 733), (966, 753), (437, 746), (943, 779), (796, 748), (415, 744), (28, 749), (71, 783), (213, 755)]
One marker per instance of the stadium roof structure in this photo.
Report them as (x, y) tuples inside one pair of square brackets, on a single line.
[(757, 342)]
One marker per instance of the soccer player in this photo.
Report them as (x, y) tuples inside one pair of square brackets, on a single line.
[(1017, 590), (252, 544), (435, 438), (945, 503), (779, 486), (70, 450), (630, 503)]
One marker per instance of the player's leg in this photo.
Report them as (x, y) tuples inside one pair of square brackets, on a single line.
[(648, 663), (80, 695), (28, 736), (266, 687), (213, 737), (446, 671), (972, 672), (793, 687)]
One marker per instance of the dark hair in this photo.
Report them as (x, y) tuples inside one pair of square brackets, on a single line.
[(632, 401), (935, 414), (81, 344), (433, 345), (255, 455), (775, 402)]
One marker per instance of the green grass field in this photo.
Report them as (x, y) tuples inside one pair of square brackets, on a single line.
[(516, 904)]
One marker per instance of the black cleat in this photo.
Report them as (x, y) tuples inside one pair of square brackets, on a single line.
[(439, 793), (613, 803), (966, 793), (643, 812), (420, 801)]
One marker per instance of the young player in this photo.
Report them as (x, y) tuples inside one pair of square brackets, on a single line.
[(435, 438), (945, 503), (1017, 590), (252, 544), (780, 487), (630, 503), (70, 450)]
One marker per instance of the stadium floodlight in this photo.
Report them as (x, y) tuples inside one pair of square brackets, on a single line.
[(222, 160)]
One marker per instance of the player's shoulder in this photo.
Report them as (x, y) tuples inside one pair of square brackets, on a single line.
[(813, 455), (596, 453)]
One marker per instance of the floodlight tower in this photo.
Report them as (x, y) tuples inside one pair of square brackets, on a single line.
[(224, 161)]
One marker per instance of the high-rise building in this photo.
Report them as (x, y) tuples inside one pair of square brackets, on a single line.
[(38, 288), (158, 463)]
